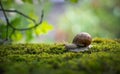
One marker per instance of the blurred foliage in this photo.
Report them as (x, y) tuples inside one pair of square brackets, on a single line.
[(100, 18), (28, 7), (43, 28), (74, 1), (102, 57)]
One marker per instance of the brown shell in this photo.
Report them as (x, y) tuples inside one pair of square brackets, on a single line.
[(83, 39)]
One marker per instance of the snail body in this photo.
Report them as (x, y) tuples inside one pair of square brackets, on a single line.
[(80, 42)]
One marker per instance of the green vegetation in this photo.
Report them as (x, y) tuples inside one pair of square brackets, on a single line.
[(102, 16), (103, 57), (24, 19)]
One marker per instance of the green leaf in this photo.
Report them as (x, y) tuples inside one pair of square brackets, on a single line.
[(2, 31), (16, 21), (33, 16), (28, 1), (8, 3), (43, 28), (29, 35), (74, 1), (17, 36)]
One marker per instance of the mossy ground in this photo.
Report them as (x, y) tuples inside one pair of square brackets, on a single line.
[(102, 58)]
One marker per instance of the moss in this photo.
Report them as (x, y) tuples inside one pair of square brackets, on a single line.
[(103, 57)]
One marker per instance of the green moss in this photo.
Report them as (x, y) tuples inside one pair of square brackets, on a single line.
[(102, 57)]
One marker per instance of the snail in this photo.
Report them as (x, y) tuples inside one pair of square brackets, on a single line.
[(80, 42)]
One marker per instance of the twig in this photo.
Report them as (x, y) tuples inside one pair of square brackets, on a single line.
[(36, 24), (16, 11), (6, 18), (18, 29)]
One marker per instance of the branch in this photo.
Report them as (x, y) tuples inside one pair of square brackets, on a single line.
[(20, 13), (36, 24), (6, 18), (16, 11)]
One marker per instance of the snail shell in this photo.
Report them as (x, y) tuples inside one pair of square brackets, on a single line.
[(82, 39)]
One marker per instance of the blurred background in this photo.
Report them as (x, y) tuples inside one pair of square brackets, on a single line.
[(63, 19)]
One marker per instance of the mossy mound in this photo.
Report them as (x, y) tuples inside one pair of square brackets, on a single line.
[(102, 58)]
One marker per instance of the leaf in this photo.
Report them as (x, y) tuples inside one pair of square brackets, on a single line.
[(33, 16), (2, 31), (28, 1), (74, 1), (43, 28), (17, 36), (8, 3), (16, 21), (29, 35)]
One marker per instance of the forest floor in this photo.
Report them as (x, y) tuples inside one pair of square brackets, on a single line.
[(102, 58)]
